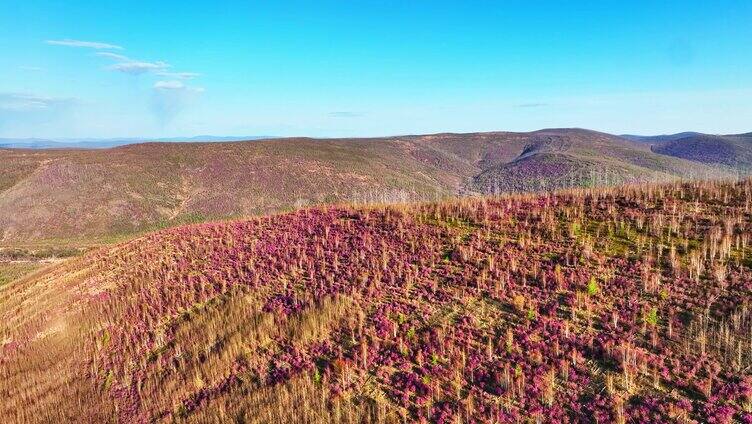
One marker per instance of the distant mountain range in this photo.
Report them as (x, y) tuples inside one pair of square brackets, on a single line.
[(732, 150), (654, 139), (65, 193), (103, 143), (660, 138)]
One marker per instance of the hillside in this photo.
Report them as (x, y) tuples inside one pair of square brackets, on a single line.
[(732, 151), (74, 196), (612, 305), (657, 139), (103, 143), (554, 159)]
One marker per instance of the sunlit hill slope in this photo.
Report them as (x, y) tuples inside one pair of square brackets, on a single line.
[(85, 194), (608, 305)]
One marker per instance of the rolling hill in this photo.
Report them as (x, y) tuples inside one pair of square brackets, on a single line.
[(615, 305), (104, 143), (732, 151), (657, 139), (69, 195)]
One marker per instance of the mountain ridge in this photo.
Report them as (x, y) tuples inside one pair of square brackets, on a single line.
[(104, 143), (66, 193)]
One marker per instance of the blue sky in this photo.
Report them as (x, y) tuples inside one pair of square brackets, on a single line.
[(361, 68)]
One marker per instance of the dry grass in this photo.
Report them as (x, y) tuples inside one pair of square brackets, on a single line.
[(615, 305), (77, 196), (10, 271)]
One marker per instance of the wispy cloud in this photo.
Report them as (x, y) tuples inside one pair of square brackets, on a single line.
[(28, 113), (114, 56), (30, 68), (124, 63), (169, 85), (528, 105), (179, 75), (134, 67), (345, 114), (137, 67), (172, 97), (86, 44), (175, 85), (20, 102)]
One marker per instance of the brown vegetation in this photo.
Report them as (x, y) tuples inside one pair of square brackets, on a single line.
[(84, 196), (616, 305)]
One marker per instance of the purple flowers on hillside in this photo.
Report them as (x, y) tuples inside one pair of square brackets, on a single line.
[(625, 305)]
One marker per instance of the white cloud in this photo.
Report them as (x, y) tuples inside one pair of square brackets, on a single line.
[(169, 85), (115, 56), (171, 98), (176, 85), (126, 64), (25, 113), (86, 44), (19, 102), (31, 68), (136, 67), (179, 75), (531, 105)]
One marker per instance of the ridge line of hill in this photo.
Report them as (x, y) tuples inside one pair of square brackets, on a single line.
[(94, 194)]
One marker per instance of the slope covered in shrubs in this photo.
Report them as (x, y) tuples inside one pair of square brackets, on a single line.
[(613, 305), (731, 151), (65, 196)]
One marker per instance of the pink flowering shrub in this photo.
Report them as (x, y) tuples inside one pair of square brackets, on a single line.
[(619, 305)]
